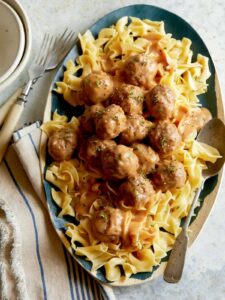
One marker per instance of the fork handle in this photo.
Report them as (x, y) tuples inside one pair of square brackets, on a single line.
[(5, 108), (9, 126), (12, 119)]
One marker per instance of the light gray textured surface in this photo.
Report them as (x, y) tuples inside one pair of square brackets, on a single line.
[(205, 266)]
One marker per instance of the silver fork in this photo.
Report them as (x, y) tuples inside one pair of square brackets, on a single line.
[(52, 50), (38, 68)]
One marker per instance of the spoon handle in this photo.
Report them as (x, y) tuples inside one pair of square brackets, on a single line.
[(190, 213), (175, 265)]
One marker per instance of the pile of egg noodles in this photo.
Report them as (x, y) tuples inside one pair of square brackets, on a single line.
[(156, 225)]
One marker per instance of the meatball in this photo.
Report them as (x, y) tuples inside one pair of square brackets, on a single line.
[(160, 102), (136, 191), (111, 122), (140, 70), (62, 143), (169, 174), (90, 152), (194, 121), (137, 129), (164, 137), (97, 87), (87, 120), (129, 97), (119, 162), (147, 158), (107, 225)]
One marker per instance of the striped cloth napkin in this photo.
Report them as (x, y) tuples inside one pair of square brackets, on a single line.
[(33, 262)]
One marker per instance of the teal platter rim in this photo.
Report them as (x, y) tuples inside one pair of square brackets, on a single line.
[(179, 28)]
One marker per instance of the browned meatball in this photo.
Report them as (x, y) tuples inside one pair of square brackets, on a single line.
[(111, 122), (90, 152), (147, 158), (129, 97), (140, 70), (107, 225), (136, 191), (164, 137), (62, 143), (87, 120), (193, 121), (169, 175), (97, 86), (160, 102), (119, 162), (137, 129)]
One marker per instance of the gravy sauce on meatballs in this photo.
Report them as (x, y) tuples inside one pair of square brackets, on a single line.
[(124, 147)]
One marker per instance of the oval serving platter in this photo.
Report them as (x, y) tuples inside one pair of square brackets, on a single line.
[(212, 100)]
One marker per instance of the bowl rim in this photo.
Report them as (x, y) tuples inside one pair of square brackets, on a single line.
[(21, 44), (15, 4)]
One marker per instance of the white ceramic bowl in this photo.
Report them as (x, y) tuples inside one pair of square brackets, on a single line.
[(12, 37), (20, 63)]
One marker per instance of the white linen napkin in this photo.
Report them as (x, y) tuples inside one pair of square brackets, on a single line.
[(33, 262)]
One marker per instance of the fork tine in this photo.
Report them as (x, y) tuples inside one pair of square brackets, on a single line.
[(53, 49), (58, 40), (63, 34), (68, 41), (44, 50), (48, 50), (53, 45), (65, 37), (69, 37), (38, 58), (61, 40), (61, 37)]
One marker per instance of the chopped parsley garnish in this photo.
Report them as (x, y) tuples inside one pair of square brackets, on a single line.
[(171, 169), (98, 149), (103, 215), (98, 83), (144, 175), (139, 99), (98, 113), (135, 97), (87, 80), (156, 99), (115, 118), (163, 141), (118, 157), (131, 94)]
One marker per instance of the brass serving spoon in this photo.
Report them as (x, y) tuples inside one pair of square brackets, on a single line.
[(213, 134)]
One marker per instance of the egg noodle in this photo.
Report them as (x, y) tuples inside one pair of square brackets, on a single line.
[(149, 231)]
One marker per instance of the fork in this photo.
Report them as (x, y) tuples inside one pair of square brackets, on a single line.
[(52, 51)]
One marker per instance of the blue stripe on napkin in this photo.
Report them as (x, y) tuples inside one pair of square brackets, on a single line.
[(35, 229), (69, 273), (75, 281), (33, 143)]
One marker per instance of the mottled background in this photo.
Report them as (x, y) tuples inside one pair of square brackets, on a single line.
[(204, 274)]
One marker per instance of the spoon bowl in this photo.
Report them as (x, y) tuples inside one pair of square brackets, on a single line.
[(213, 134)]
